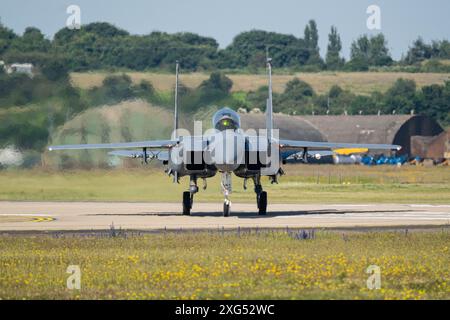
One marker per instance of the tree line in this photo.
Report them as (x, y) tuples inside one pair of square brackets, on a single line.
[(101, 45)]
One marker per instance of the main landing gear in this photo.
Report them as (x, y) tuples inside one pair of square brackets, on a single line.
[(261, 196), (188, 196), (188, 199)]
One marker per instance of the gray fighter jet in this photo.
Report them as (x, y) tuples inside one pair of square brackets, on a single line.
[(227, 149)]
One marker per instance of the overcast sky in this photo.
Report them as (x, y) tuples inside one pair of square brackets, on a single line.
[(402, 21)]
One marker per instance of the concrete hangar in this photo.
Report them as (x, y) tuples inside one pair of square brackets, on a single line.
[(389, 129)]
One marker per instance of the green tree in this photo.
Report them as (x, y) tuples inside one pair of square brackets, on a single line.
[(360, 54), (335, 91), (435, 102), (311, 38), (333, 58), (366, 52), (214, 90), (401, 97), (115, 88), (104, 29), (418, 52), (297, 89), (444, 49), (217, 87), (145, 89), (379, 53), (101, 45), (118, 87), (6, 37), (258, 60), (296, 98), (361, 105), (31, 40), (55, 69), (217, 81), (286, 50)]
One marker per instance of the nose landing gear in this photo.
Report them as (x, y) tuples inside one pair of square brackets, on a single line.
[(226, 208), (226, 188)]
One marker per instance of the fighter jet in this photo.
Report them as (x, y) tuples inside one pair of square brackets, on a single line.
[(225, 149)]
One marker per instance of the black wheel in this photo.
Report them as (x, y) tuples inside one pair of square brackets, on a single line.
[(187, 203), (262, 203), (226, 209)]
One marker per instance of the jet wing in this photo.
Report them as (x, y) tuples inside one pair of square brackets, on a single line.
[(153, 144), (296, 145), (160, 155)]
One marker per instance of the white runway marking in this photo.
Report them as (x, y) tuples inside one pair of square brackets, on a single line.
[(24, 214), (354, 205), (430, 205)]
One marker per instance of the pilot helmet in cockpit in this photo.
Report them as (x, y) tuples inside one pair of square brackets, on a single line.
[(226, 119)]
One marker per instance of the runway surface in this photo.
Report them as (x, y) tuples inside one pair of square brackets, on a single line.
[(41, 216)]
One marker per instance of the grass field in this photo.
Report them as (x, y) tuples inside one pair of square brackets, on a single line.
[(260, 265), (301, 184), (358, 82)]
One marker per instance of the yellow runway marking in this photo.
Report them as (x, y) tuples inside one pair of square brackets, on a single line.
[(43, 219)]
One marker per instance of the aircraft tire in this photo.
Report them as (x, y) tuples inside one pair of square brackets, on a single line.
[(226, 209), (262, 203), (187, 203)]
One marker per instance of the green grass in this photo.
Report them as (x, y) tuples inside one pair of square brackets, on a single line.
[(261, 265), (301, 184)]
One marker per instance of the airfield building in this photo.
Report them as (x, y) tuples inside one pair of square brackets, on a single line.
[(26, 68), (384, 129)]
